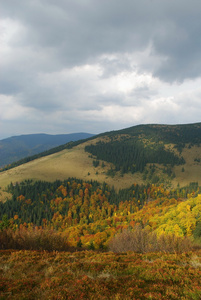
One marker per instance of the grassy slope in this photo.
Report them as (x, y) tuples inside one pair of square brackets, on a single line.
[(76, 163), (67, 163), (192, 169)]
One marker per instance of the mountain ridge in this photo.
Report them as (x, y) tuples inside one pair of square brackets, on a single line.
[(18, 147), (152, 153)]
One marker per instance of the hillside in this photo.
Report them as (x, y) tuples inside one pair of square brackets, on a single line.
[(97, 207), (18, 147), (168, 154), (89, 215), (90, 220)]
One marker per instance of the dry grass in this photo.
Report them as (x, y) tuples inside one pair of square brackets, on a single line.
[(192, 169), (77, 163), (67, 163)]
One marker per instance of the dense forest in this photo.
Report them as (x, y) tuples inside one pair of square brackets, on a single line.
[(131, 155), (90, 213)]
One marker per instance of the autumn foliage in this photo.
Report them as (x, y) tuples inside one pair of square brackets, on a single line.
[(89, 215), (135, 244), (33, 239), (98, 275)]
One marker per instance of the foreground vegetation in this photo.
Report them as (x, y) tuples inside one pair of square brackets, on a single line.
[(74, 239), (98, 275), (41, 264)]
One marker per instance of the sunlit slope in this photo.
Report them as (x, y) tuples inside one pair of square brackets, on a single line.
[(73, 162), (169, 154), (77, 163)]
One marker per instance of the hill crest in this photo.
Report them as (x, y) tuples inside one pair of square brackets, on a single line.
[(179, 143), (18, 147)]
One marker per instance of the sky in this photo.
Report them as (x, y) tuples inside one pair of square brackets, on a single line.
[(93, 66)]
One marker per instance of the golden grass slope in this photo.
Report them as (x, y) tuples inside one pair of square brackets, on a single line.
[(192, 169), (67, 163), (76, 162)]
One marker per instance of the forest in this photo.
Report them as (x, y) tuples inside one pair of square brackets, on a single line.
[(130, 155), (132, 148), (90, 213)]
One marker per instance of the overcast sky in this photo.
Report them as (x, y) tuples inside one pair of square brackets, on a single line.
[(98, 65)]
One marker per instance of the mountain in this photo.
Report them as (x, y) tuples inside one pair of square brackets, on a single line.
[(73, 197), (168, 154), (17, 147)]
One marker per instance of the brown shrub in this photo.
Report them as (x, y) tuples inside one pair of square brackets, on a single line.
[(172, 243), (33, 239), (142, 240)]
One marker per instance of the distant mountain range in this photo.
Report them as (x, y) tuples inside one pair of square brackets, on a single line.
[(17, 147)]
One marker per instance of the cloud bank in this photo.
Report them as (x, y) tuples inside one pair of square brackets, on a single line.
[(71, 66)]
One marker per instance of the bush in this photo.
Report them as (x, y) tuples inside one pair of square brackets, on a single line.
[(96, 163), (142, 240), (33, 239), (172, 243)]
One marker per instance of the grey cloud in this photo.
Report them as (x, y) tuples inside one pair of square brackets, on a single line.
[(143, 92), (160, 38), (80, 32), (115, 65), (105, 100), (177, 41)]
